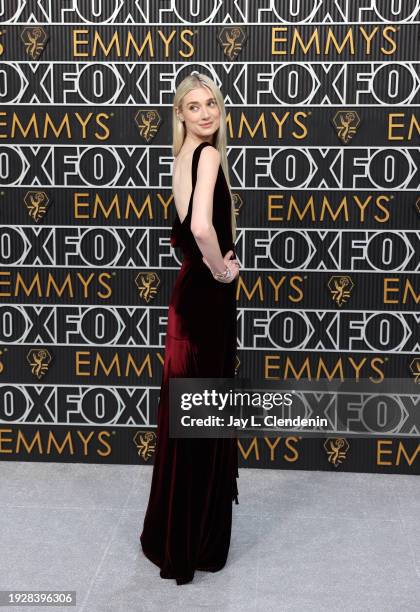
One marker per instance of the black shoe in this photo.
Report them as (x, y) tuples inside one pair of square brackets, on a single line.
[(184, 580)]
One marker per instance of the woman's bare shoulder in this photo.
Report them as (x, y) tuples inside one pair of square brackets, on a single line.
[(209, 158)]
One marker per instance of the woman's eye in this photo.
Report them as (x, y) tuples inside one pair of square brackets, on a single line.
[(213, 103)]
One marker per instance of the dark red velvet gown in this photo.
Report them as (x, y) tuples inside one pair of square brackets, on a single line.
[(188, 520)]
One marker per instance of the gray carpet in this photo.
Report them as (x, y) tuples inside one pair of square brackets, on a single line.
[(303, 541)]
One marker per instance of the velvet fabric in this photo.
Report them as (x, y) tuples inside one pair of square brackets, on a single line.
[(187, 525)]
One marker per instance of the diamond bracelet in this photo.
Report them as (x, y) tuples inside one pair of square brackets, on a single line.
[(223, 275)]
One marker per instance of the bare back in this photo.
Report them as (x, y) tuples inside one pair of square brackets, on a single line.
[(182, 182), (215, 204)]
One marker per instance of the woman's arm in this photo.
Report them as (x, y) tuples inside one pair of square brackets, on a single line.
[(202, 209)]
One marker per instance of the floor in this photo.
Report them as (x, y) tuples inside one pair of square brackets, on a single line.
[(301, 540)]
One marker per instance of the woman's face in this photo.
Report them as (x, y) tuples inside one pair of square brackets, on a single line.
[(200, 112)]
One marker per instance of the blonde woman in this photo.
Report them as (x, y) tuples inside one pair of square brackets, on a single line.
[(188, 520)]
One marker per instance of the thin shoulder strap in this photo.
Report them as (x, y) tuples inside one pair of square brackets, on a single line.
[(195, 159)]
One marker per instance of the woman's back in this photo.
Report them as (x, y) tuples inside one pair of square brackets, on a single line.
[(184, 183)]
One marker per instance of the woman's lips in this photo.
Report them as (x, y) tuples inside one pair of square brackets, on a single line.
[(206, 124)]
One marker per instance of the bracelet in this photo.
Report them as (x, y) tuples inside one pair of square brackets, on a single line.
[(223, 275)]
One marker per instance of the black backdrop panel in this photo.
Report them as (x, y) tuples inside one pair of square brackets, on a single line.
[(323, 128)]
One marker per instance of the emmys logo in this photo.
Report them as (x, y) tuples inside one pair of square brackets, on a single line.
[(345, 123), (35, 40), (148, 283), (148, 122), (39, 360), (232, 41), (340, 287), (37, 203), (336, 449), (415, 369), (145, 442)]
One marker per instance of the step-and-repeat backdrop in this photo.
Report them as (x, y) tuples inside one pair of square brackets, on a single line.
[(323, 121)]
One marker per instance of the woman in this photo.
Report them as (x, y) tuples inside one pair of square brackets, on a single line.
[(187, 525)]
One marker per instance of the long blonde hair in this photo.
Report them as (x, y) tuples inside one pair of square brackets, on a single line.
[(190, 82)]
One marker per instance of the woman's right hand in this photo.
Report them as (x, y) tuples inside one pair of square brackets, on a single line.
[(232, 264)]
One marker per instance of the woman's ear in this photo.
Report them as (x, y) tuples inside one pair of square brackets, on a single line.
[(178, 114)]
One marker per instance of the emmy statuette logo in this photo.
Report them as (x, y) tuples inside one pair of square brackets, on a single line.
[(237, 203), (145, 442), (346, 123), (35, 40), (336, 449), (232, 40), (415, 369), (147, 283), (340, 287), (39, 360), (37, 203), (148, 122)]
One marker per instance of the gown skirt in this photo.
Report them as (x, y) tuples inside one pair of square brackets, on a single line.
[(188, 520)]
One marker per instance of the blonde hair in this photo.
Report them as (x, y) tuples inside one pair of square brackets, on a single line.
[(190, 82)]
